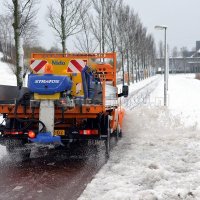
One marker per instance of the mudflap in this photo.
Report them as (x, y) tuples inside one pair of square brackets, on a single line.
[(46, 138)]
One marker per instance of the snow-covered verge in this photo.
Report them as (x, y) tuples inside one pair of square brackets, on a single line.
[(6, 74), (158, 157), (183, 99), (135, 86)]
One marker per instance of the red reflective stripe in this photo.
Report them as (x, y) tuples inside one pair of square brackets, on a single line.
[(40, 66), (77, 65), (13, 132), (88, 132), (69, 70)]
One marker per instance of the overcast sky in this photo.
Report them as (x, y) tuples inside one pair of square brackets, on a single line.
[(181, 16)]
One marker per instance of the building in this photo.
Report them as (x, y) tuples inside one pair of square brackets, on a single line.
[(190, 63)]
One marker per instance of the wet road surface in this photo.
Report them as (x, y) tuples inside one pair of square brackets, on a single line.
[(49, 175)]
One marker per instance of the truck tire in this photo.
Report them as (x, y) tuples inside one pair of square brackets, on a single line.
[(117, 133), (16, 149), (119, 130), (107, 141)]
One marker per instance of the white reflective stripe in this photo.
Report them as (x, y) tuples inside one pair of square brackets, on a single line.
[(111, 130), (85, 132), (81, 62), (35, 63), (73, 68), (42, 70)]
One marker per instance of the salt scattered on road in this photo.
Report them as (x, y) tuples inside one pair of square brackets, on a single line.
[(17, 188)]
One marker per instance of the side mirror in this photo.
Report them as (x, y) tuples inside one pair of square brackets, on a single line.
[(125, 90)]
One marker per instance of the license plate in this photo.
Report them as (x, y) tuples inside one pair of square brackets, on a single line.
[(59, 132)]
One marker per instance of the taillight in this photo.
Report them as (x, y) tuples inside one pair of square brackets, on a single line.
[(31, 134), (94, 132), (63, 101), (88, 132), (13, 132)]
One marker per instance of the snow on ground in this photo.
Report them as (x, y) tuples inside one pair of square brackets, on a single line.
[(135, 86), (183, 99), (6, 75), (158, 157)]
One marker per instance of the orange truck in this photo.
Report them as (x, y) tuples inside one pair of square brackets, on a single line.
[(70, 98)]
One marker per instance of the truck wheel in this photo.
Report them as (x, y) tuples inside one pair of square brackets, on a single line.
[(120, 131), (117, 133), (16, 148), (107, 142)]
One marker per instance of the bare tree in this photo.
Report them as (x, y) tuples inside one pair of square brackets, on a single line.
[(65, 18), (175, 52), (160, 49), (111, 24), (184, 52), (95, 23), (117, 28), (6, 36), (150, 54), (23, 12), (85, 41), (122, 18), (134, 21), (127, 30)]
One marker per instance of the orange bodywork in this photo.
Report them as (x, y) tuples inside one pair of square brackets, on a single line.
[(121, 113), (105, 72)]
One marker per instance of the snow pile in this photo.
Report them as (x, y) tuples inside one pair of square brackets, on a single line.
[(6, 74), (184, 97), (156, 159)]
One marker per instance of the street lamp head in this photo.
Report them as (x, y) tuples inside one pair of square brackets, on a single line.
[(159, 27)]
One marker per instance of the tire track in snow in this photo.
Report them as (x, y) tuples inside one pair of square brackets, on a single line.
[(140, 96)]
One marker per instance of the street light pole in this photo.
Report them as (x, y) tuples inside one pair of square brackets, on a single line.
[(166, 69)]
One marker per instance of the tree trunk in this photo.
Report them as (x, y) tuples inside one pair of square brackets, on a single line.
[(132, 71), (138, 68), (135, 66), (63, 37), (21, 60), (122, 66), (18, 43), (128, 67), (102, 27)]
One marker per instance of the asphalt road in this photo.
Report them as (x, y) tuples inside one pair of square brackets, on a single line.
[(49, 174)]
